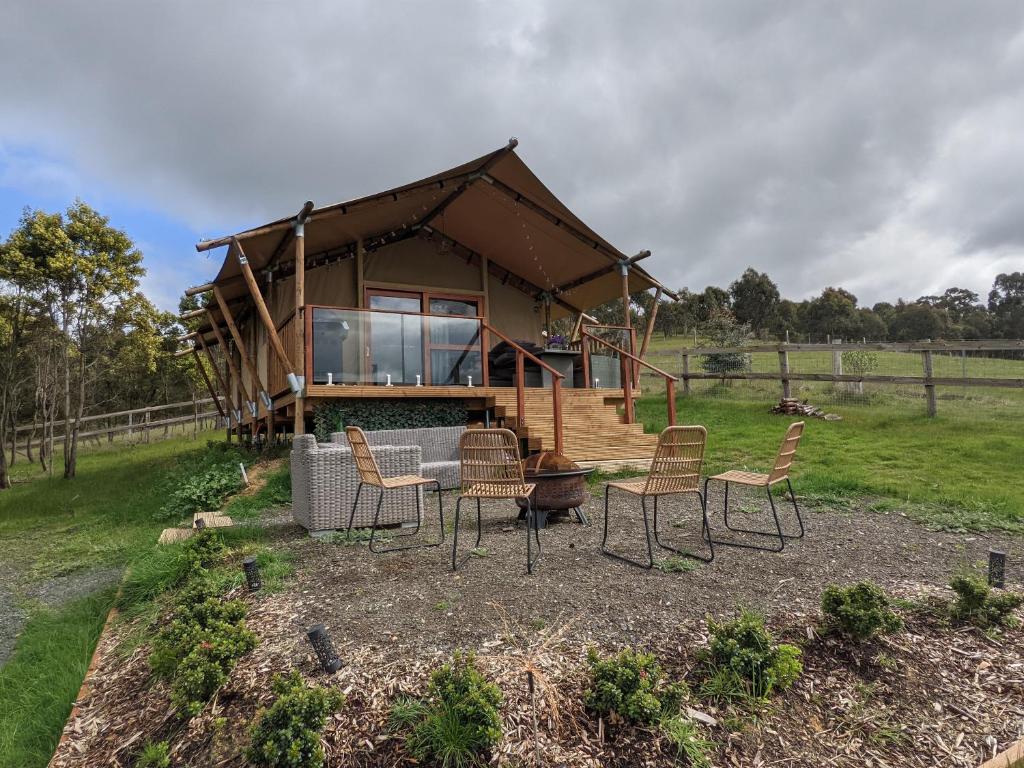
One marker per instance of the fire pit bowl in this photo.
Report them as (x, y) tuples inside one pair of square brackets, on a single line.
[(561, 486)]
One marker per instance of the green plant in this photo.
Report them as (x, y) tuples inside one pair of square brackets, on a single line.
[(633, 686), (373, 414), (859, 611), (288, 733), (458, 723), (689, 746), (200, 487), (746, 647), (676, 565), (199, 647), (406, 711), (858, 361), (156, 754), (975, 603)]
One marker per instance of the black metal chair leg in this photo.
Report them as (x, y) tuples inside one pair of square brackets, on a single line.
[(742, 545), (479, 524), (419, 522), (455, 534), (683, 552), (352, 516), (799, 518), (773, 534), (581, 516), (531, 522), (647, 535)]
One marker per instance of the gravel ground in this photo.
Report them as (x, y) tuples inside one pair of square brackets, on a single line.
[(413, 599)]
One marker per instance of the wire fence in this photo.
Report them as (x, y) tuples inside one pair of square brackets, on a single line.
[(951, 379)]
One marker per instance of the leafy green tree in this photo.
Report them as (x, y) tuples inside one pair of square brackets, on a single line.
[(832, 314), (914, 322), (754, 299), (1006, 303)]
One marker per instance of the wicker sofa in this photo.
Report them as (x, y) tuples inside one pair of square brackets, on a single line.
[(439, 446), (324, 482)]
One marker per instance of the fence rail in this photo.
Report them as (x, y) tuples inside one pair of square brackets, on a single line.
[(729, 364), (136, 421)]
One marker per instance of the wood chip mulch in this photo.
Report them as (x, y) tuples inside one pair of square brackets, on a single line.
[(928, 695)]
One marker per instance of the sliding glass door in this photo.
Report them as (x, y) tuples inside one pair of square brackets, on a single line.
[(396, 340)]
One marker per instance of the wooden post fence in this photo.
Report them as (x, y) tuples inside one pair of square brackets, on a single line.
[(929, 386), (784, 373)]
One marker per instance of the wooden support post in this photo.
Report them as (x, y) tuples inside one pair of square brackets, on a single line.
[(556, 412), (650, 324), (784, 373), (929, 388), (627, 318), (686, 374), (145, 420), (228, 402), (261, 308), (247, 360), (585, 348), (670, 398), (299, 424), (627, 388), (520, 389), (236, 375), (209, 384)]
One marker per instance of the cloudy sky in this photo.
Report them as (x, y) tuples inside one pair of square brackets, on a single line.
[(873, 145)]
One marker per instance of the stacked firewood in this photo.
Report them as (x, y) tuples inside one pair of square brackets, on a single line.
[(793, 407)]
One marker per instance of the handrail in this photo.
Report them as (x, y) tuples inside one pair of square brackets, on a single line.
[(522, 349), (393, 312), (627, 379), (556, 385), (632, 357)]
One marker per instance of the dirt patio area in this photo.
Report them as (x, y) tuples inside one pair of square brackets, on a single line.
[(927, 695)]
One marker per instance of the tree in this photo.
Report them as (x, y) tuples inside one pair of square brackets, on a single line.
[(754, 299), (917, 321), (89, 272), (833, 314), (1006, 303)]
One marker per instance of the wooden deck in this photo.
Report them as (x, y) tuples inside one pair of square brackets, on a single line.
[(594, 429)]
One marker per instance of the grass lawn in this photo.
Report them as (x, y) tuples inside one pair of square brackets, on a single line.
[(947, 472), (51, 527)]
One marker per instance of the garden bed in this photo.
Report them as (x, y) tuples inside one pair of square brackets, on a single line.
[(928, 694)]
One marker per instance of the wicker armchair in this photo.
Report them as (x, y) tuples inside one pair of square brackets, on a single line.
[(325, 479)]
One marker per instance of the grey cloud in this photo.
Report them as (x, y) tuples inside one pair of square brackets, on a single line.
[(813, 140)]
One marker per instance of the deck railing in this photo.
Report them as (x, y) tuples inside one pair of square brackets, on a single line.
[(628, 374), (556, 385)]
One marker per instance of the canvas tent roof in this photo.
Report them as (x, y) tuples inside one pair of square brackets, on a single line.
[(494, 205)]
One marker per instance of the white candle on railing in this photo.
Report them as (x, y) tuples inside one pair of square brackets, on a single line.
[(330, 378), (419, 382), (469, 381), (389, 384)]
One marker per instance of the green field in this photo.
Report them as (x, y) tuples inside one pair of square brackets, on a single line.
[(944, 471), (50, 527), (958, 401)]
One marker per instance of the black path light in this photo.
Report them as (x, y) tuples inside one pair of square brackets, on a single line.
[(996, 568), (324, 648), (252, 574), (200, 523)]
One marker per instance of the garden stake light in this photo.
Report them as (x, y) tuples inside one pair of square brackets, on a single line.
[(324, 648), (996, 568), (533, 708), (252, 574), (200, 523)]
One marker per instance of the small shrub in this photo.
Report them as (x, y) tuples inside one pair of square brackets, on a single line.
[(288, 733), (676, 565), (860, 611), (199, 488), (459, 721), (633, 686), (975, 603), (201, 644), (405, 713), (689, 746), (156, 754), (747, 648)]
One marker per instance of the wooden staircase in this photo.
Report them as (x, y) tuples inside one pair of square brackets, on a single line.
[(592, 428)]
